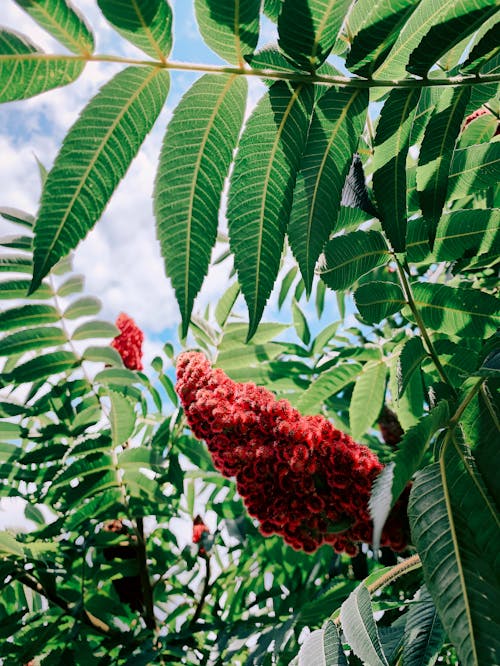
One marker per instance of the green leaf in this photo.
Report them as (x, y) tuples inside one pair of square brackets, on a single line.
[(337, 123), (145, 23), (15, 263), (83, 307), (17, 216), (226, 303), (459, 21), (63, 22), (423, 633), (121, 417), (480, 130), (31, 338), (26, 71), (457, 311), (485, 48), (31, 314), (392, 480), (73, 285), (328, 383), (42, 367), (195, 158), (308, 30), (360, 629), (299, 322), (231, 29), (352, 255), (391, 145), (94, 157), (373, 26), (261, 190), (116, 376), (461, 231), (95, 329), (272, 9), (107, 355), (19, 289), (105, 503), (473, 169), (377, 300), (436, 152), (411, 356), (286, 283), (367, 398), (431, 31), (322, 648), (455, 529)]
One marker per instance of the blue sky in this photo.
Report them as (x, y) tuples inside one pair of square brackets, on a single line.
[(120, 258)]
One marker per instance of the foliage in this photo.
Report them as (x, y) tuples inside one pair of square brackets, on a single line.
[(384, 182)]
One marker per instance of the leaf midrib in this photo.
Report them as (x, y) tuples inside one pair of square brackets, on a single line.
[(51, 20), (147, 30), (267, 178), (194, 184)]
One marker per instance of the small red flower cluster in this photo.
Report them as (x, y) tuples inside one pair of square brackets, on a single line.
[(129, 343), (298, 475), (198, 528)]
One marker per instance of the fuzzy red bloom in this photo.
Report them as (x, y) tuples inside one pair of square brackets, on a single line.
[(129, 343), (198, 528), (298, 475)]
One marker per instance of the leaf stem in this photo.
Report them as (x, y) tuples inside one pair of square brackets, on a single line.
[(420, 323), (465, 403), (149, 615), (204, 593), (296, 77)]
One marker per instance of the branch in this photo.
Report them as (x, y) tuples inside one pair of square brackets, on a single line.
[(82, 615), (204, 594), (147, 592), (296, 77)]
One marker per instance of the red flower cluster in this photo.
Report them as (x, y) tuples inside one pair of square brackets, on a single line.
[(298, 475), (129, 343)]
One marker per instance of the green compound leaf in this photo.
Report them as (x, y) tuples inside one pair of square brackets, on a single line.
[(456, 311), (359, 627), (145, 23), (367, 398), (322, 648), (411, 356), (391, 482), (374, 26), (231, 29), (459, 21), (437, 150), (391, 145), (308, 29), (31, 338), (94, 157), (26, 71), (348, 257), (62, 21), (473, 169), (328, 383), (467, 230), (456, 531), (337, 123), (377, 300), (260, 195), (272, 9), (423, 633), (194, 162)]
